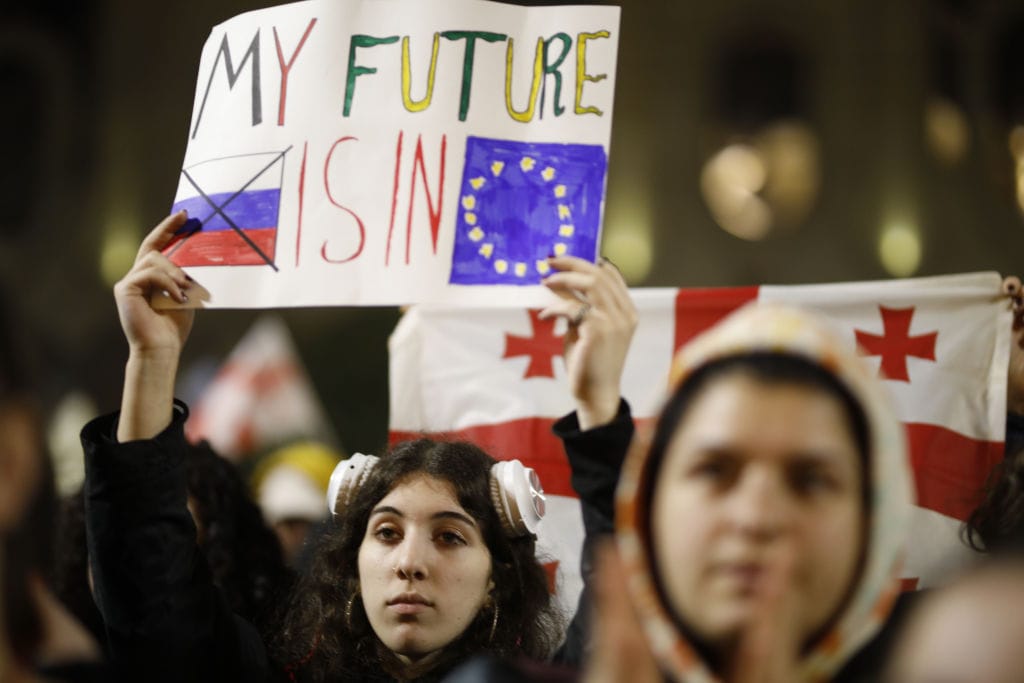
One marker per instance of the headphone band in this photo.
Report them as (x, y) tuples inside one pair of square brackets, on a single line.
[(516, 491)]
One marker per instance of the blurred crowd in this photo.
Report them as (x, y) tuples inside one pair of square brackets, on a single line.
[(755, 532)]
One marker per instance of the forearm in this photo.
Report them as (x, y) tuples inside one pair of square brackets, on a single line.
[(147, 401)]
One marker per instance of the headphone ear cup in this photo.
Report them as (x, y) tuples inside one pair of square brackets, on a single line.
[(347, 477), (518, 497)]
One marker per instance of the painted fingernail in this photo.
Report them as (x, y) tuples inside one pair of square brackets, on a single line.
[(189, 277)]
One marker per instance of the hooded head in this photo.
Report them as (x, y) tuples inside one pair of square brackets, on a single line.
[(777, 448)]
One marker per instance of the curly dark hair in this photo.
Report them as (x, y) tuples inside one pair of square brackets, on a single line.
[(243, 554), (318, 642), (997, 524)]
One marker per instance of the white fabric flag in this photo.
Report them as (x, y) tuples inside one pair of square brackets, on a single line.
[(496, 377), (261, 397)]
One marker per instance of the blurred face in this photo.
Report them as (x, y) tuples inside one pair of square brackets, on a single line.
[(424, 569), (752, 472)]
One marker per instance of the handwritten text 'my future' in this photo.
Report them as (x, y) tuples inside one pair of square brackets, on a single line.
[(366, 53)]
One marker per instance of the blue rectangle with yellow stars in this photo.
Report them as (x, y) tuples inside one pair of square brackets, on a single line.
[(521, 202)]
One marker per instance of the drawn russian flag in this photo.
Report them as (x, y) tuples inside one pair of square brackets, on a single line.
[(238, 201)]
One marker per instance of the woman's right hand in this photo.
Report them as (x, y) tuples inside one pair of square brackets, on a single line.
[(155, 335), (151, 330)]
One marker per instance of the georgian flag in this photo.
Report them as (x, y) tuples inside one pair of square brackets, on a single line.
[(497, 378), (260, 398)]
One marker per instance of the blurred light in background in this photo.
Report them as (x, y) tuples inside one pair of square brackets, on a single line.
[(117, 253), (73, 411), (899, 249), (790, 150), (628, 239), (730, 181), (754, 189), (946, 131), (631, 251)]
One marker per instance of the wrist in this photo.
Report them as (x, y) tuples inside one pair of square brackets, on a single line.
[(597, 412)]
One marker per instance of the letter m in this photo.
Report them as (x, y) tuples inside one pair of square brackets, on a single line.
[(233, 73)]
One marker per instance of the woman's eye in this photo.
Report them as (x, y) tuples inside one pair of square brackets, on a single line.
[(386, 533), (451, 538), (813, 480), (715, 469)]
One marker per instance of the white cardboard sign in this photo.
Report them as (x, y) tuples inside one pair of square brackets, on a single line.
[(365, 152)]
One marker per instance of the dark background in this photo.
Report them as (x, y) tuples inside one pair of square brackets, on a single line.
[(904, 108)]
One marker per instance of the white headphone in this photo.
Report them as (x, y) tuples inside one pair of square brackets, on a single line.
[(516, 491)]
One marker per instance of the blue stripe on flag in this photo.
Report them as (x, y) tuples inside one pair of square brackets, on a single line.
[(250, 209)]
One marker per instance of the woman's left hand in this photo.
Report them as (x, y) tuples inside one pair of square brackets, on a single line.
[(595, 301)]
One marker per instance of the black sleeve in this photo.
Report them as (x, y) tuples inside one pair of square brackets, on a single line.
[(595, 457), (165, 618)]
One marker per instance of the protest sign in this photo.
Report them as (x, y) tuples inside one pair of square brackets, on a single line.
[(394, 151)]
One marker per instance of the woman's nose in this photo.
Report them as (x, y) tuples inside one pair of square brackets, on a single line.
[(761, 505)]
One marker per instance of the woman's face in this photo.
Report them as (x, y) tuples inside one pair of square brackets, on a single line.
[(424, 569), (753, 470)]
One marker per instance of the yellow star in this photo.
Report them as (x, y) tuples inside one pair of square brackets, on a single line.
[(563, 211), (559, 191), (548, 173), (527, 163), (501, 266), (477, 183), (542, 267), (520, 269), (486, 250), (470, 218), (497, 167), (469, 202), (476, 234), (566, 230), (560, 249)]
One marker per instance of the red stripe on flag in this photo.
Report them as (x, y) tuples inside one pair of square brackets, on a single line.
[(949, 468), (226, 247), (529, 439), (699, 309)]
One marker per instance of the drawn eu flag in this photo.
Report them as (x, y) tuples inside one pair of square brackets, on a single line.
[(521, 202), (238, 200)]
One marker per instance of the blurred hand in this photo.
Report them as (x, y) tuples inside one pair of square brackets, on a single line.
[(595, 301), (619, 651), (769, 647), (1015, 377), (149, 330)]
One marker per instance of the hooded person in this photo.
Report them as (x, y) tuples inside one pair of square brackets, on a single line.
[(763, 520)]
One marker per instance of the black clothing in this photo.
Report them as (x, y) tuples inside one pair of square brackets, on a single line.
[(165, 619)]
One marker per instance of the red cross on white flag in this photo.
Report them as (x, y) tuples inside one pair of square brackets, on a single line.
[(942, 344)]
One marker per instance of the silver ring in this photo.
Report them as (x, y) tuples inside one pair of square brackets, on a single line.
[(580, 314)]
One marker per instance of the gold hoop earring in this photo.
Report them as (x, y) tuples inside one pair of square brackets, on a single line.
[(494, 623)]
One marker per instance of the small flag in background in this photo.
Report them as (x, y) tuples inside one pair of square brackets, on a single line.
[(261, 397), (497, 378), (238, 201), (521, 202)]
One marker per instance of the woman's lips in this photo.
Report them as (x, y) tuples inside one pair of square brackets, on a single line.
[(409, 603)]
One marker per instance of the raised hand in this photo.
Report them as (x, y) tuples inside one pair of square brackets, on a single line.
[(155, 335), (595, 301), (147, 328)]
